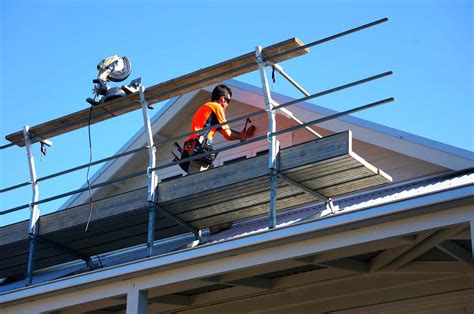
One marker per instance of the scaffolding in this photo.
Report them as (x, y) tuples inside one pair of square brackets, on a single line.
[(159, 196)]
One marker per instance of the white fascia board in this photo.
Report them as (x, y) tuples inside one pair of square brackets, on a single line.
[(438, 153), (329, 226)]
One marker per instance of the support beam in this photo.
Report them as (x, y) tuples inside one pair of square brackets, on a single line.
[(348, 264), (438, 237), (285, 111), (251, 282), (174, 299), (181, 222), (308, 191), (391, 254), (62, 248), (137, 301), (449, 267), (456, 251), (279, 69), (463, 235)]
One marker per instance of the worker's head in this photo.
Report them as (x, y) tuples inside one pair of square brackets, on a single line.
[(222, 95)]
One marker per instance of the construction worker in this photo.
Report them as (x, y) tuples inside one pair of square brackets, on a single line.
[(209, 114)]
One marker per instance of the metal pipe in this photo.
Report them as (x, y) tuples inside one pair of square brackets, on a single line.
[(178, 220), (94, 186), (273, 143), (335, 116), (172, 139), (290, 79), (57, 174), (35, 211), (290, 115), (287, 112), (152, 179), (335, 89), (324, 40), (7, 145), (150, 148)]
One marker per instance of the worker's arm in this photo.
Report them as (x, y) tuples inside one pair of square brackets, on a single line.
[(232, 135)]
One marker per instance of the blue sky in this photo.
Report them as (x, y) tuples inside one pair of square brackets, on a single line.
[(49, 50)]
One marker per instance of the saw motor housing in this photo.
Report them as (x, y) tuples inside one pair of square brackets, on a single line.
[(112, 69)]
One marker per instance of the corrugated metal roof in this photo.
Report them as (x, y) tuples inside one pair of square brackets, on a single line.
[(361, 200), (356, 201)]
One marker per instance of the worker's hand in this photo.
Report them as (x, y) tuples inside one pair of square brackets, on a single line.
[(251, 131)]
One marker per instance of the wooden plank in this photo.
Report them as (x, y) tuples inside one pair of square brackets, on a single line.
[(240, 202), (210, 181), (353, 186), (174, 87), (252, 211), (74, 216)]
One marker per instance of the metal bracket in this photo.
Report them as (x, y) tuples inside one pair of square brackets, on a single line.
[(197, 232), (328, 201), (279, 69), (87, 259), (45, 143), (330, 206)]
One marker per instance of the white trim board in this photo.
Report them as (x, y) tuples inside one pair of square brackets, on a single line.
[(399, 141)]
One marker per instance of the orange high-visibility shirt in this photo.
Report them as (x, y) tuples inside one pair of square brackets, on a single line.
[(210, 113)]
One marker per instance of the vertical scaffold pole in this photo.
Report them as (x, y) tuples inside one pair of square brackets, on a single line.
[(33, 228), (273, 145), (152, 179)]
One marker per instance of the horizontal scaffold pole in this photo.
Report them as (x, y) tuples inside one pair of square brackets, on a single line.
[(178, 137), (197, 156)]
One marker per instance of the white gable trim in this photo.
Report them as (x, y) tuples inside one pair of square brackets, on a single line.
[(399, 141)]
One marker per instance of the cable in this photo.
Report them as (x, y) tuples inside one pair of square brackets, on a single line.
[(89, 168)]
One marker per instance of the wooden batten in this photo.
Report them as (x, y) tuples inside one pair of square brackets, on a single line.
[(166, 90)]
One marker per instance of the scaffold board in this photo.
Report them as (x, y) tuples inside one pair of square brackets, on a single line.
[(201, 78)]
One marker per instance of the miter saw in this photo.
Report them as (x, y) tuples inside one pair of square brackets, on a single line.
[(114, 69)]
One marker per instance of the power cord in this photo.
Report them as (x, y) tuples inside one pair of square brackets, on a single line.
[(89, 168)]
